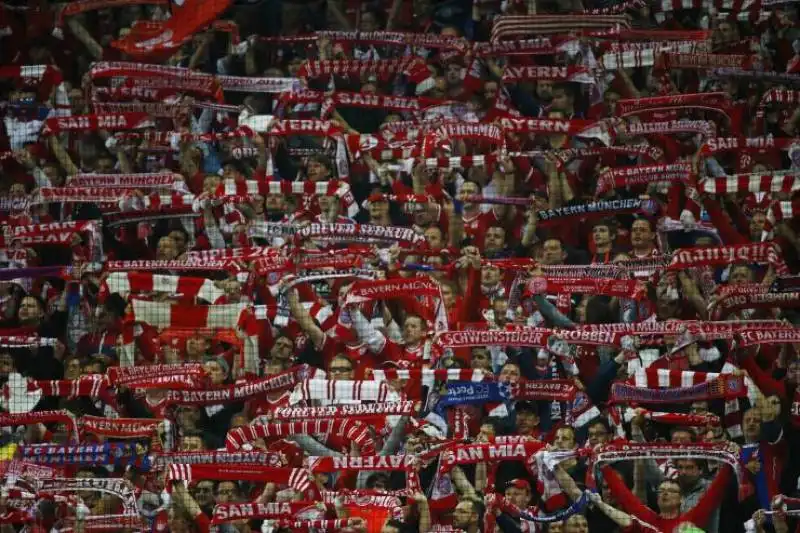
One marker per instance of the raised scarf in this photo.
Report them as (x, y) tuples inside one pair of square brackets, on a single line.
[(174, 265), (225, 512), (776, 182), (619, 288), (352, 430), (708, 61), (768, 252), (631, 105), (671, 127), (113, 121), (350, 67), (360, 233), (404, 39), (296, 478), (507, 26), (753, 296), (716, 145), (50, 233), (42, 417), (121, 488), (599, 209), (154, 180), (780, 211), (575, 74), (467, 454), (468, 392), (362, 412), (76, 194), (756, 337), (538, 46), (119, 428), (162, 39), (322, 389), (621, 177), (217, 457), (235, 392)]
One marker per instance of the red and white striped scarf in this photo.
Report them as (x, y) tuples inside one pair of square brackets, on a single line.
[(322, 389), (352, 430), (345, 67), (776, 182), (167, 315), (50, 233), (506, 26), (125, 283), (257, 85), (780, 211), (43, 417), (656, 378)]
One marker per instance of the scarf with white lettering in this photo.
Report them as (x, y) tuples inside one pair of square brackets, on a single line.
[(671, 127), (576, 74), (225, 512), (537, 46), (467, 454), (627, 451), (619, 288), (83, 455), (759, 336), (707, 61), (154, 180), (631, 105), (621, 177), (716, 145), (363, 233), (776, 182), (119, 428), (221, 265), (239, 391), (218, 457), (352, 430), (487, 133), (112, 121), (752, 296), (401, 463), (42, 417), (363, 412), (121, 488), (395, 104), (468, 392), (767, 252), (599, 209), (76, 194), (60, 233)]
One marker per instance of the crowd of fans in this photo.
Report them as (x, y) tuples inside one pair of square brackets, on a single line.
[(464, 265)]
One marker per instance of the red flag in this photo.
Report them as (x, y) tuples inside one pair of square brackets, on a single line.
[(188, 17)]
